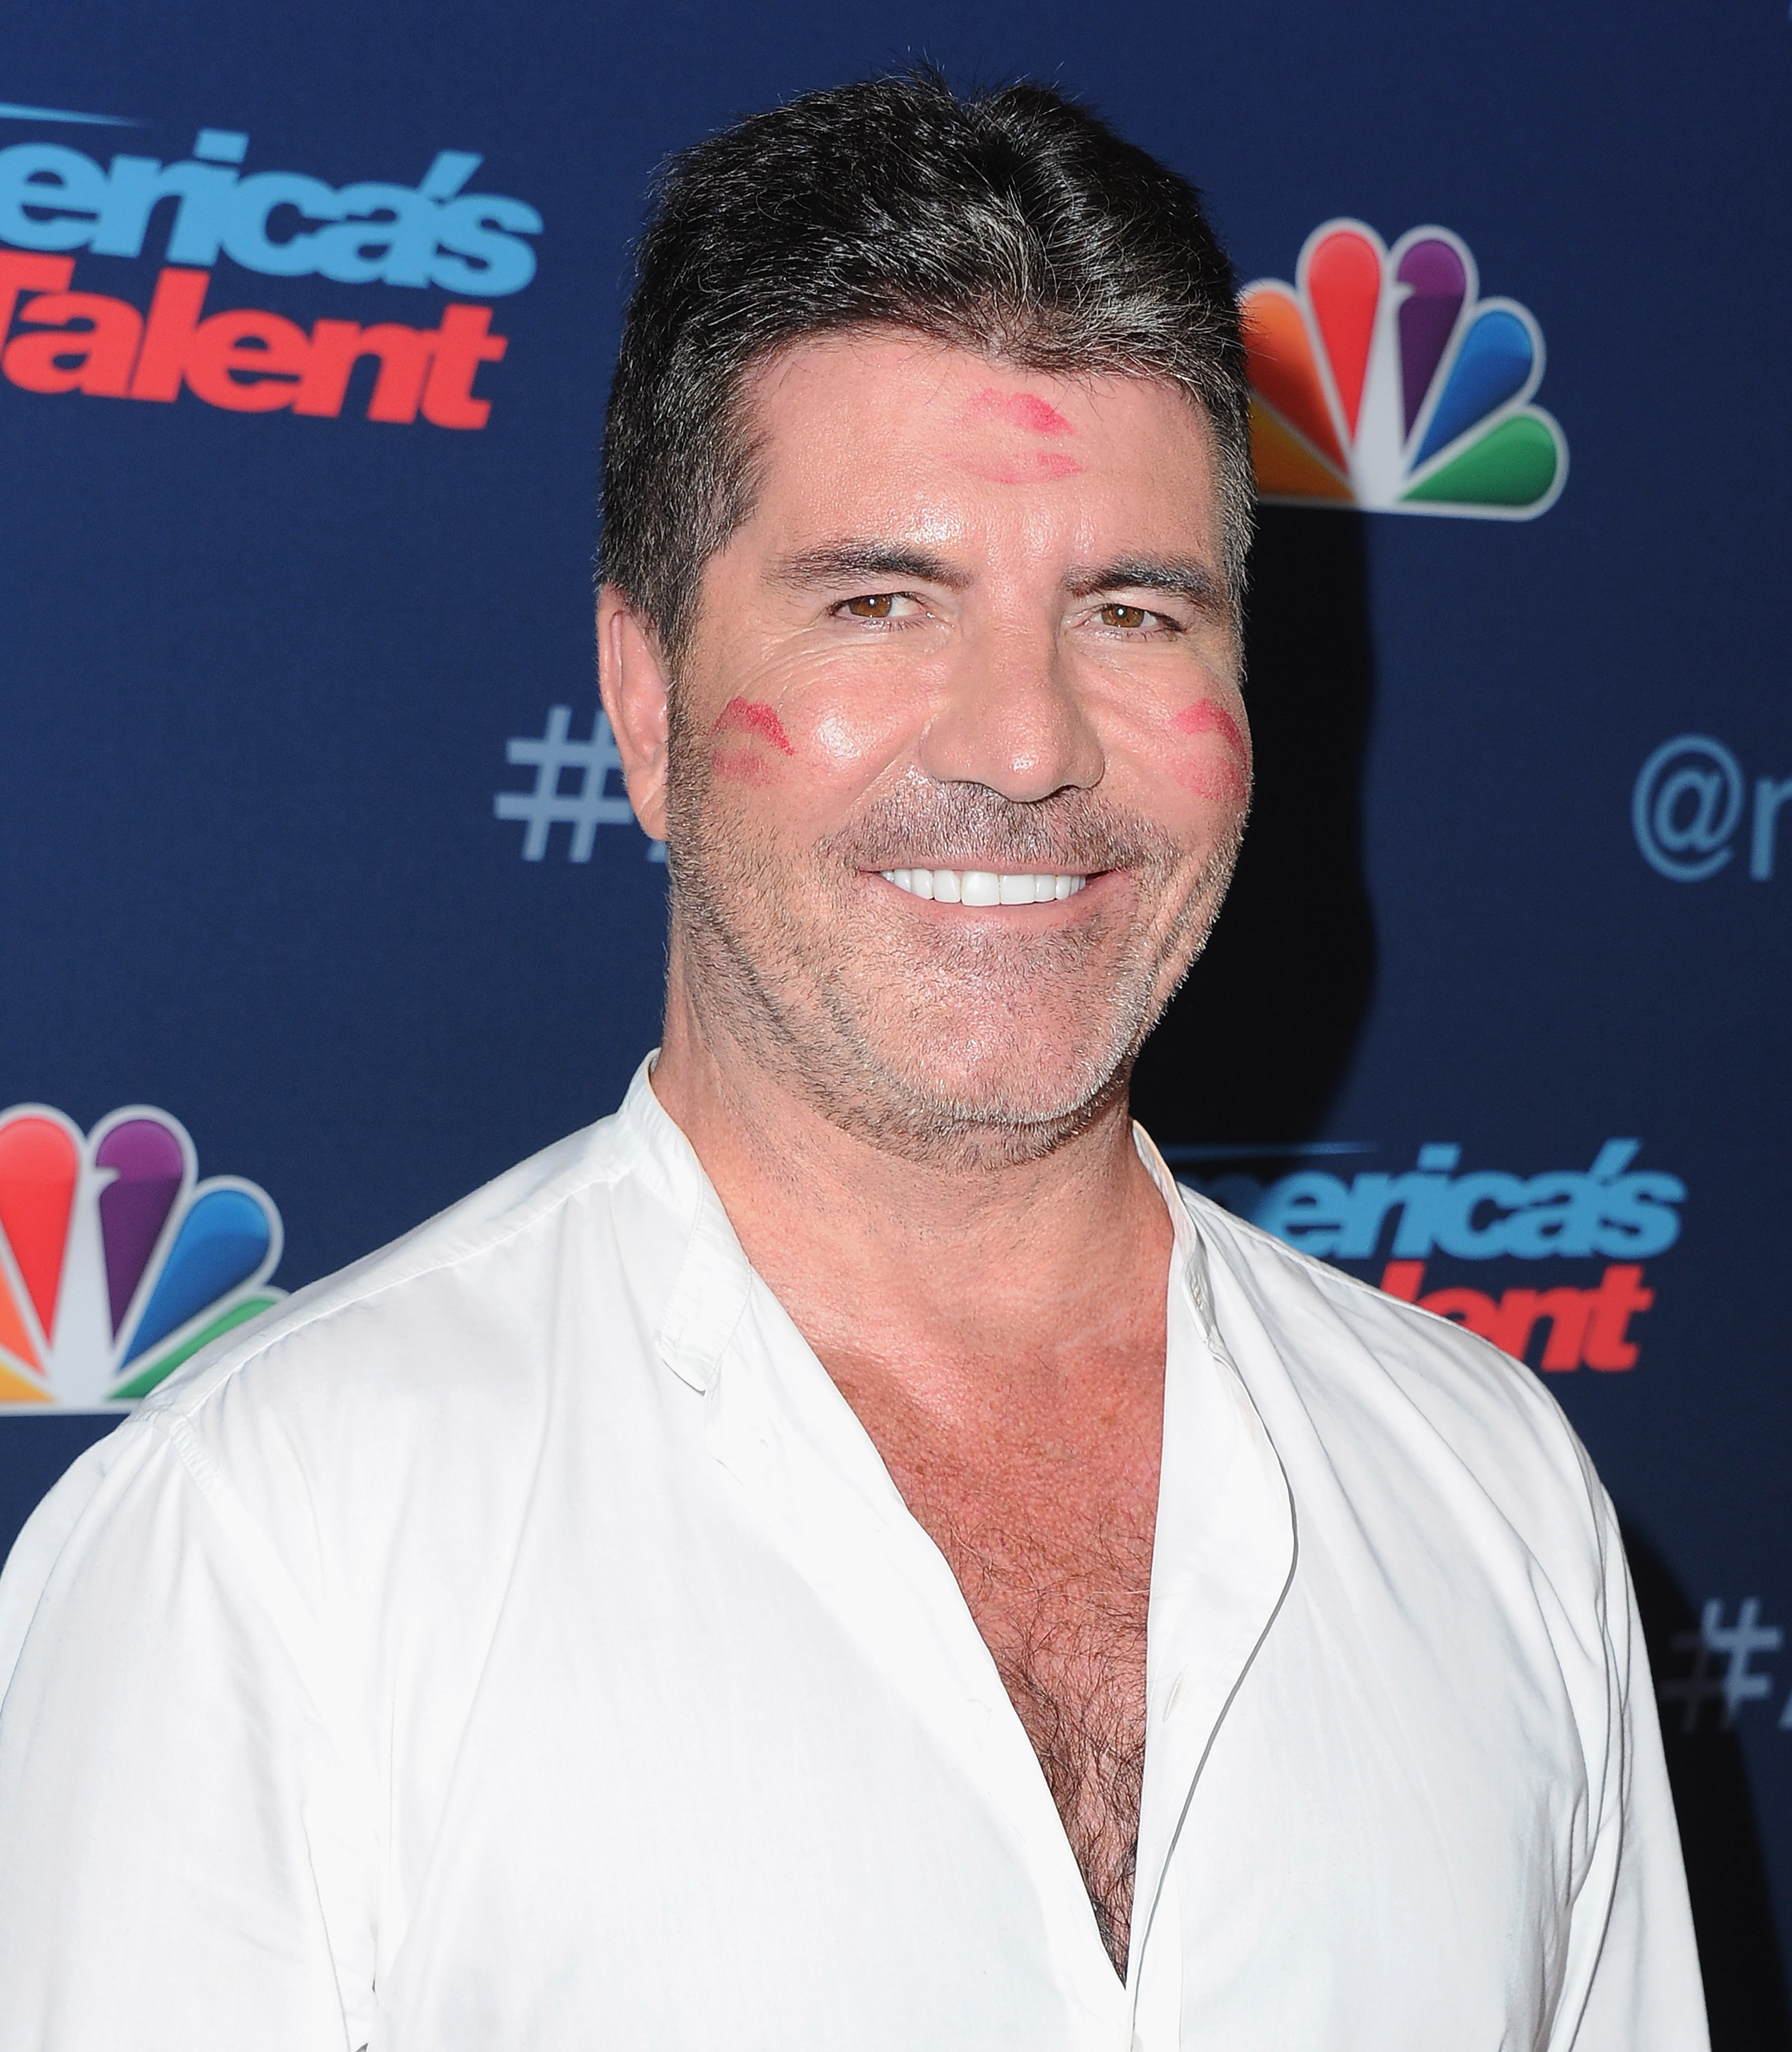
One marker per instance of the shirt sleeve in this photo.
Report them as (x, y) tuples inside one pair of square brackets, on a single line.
[(1632, 1982), (185, 1852)]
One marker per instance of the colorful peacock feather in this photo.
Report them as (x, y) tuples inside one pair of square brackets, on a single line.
[(116, 1262), (1381, 379)]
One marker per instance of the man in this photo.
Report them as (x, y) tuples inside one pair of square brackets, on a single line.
[(844, 1554)]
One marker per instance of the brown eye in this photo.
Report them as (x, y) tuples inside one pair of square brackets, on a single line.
[(1124, 616), (875, 605)]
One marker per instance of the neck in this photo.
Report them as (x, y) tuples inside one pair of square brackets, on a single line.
[(933, 1274)]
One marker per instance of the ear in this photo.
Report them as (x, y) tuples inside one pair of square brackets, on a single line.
[(632, 677)]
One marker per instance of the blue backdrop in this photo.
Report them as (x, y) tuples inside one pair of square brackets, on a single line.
[(310, 313)]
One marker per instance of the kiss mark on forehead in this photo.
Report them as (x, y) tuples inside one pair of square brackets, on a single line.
[(1019, 410), (742, 715), (1036, 466)]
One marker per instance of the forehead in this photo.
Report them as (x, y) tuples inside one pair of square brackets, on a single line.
[(888, 427)]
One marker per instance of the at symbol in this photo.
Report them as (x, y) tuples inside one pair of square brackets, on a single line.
[(1686, 805)]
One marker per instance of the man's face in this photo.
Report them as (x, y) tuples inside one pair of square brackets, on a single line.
[(958, 762)]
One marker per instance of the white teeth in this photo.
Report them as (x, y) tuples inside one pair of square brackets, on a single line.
[(983, 886)]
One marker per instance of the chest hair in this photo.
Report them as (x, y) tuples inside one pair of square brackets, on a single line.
[(1065, 1626)]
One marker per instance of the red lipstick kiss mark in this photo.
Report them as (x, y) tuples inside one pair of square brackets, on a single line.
[(1020, 409), (1040, 467), (750, 716), (1205, 717), (1226, 782)]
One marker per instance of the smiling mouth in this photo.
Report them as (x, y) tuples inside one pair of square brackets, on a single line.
[(985, 886)]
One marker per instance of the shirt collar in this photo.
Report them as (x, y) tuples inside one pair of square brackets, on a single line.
[(1188, 1257), (714, 1278), (710, 1290)]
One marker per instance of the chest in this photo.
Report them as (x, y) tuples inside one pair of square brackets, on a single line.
[(692, 1741), (1058, 1585), (1048, 1532), (1050, 1545)]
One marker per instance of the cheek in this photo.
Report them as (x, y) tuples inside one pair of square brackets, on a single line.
[(753, 740), (852, 743), (1212, 757), (834, 750), (742, 765), (752, 717)]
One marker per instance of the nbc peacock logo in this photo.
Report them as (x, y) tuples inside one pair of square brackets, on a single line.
[(115, 1262), (1382, 379)]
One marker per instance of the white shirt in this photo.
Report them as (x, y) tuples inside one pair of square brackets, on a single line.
[(517, 1643)]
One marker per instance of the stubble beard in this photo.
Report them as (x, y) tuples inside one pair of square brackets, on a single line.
[(938, 1056)]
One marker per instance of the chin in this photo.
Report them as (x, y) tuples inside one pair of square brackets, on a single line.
[(1001, 1094)]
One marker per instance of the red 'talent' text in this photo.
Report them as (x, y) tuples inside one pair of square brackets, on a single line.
[(245, 360)]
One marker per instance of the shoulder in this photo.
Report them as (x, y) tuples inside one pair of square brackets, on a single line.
[(397, 1407), (459, 1289), (1407, 1407)]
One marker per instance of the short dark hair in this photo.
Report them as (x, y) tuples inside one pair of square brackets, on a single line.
[(1014, 224)]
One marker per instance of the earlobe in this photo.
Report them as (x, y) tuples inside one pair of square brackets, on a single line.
[(632, 677)]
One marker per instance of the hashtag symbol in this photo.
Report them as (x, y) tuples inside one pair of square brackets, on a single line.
[(1721, 1653), (586, 806)]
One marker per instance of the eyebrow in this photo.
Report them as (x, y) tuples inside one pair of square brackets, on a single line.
[(848, 562), (842, 562), (1180, 577)]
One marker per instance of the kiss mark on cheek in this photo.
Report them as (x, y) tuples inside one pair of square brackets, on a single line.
[(1019, 410), (1224, 782), (1219, 783), (1205, 717), (750, 716), (742, 765)]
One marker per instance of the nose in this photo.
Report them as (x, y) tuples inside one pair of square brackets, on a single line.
[(1009, 717)]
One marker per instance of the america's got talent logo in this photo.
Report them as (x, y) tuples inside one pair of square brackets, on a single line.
[(1381, 379), (211, 214), (116, 1263)]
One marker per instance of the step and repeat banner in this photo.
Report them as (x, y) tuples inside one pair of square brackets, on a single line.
[(321, 899)]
